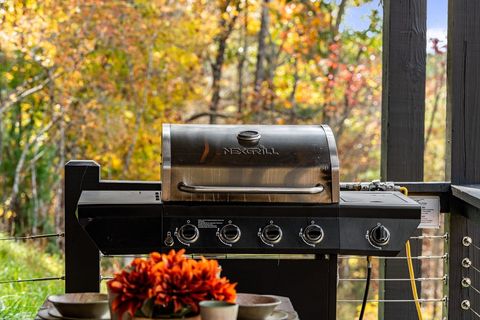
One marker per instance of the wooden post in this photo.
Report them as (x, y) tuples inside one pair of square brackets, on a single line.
[(82, 258), (463, 138), (403, 114)]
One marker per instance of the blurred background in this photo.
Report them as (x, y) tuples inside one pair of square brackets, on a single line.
[(96, 79)]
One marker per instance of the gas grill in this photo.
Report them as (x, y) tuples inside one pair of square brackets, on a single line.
[(232, 191), (249, 189)]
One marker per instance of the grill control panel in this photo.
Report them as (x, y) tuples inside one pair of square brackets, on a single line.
[(364, 223), (257, 233)]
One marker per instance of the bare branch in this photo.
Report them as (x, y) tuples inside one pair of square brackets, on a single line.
[(22, 94), (206, 114), (23, 156), (338, 20)]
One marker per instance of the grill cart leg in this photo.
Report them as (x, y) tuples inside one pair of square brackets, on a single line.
[(311, 285), (82, 258)]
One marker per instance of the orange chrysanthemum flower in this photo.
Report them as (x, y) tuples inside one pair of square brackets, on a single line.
[(175, 283), (131, 287)]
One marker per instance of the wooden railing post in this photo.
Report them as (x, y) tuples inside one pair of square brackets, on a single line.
[(403, 114), (82, 258), (463, 138)]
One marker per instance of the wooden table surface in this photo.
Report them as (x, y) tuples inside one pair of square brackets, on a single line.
[(286, 306)]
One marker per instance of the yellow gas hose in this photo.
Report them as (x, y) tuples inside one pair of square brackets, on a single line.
[(411, 272)]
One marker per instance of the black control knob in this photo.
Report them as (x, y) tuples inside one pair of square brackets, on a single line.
[(188, 233), (313, 234), (272, 234), (230, 233), (379, 235)]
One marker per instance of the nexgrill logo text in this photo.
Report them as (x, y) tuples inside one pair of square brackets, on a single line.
[(250, 151)]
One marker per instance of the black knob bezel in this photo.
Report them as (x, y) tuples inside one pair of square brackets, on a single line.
[(267, 238), (183, 238), (226, 239), (378, 242), (310, 239)]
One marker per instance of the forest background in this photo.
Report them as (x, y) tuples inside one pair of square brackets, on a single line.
[(96, 79)]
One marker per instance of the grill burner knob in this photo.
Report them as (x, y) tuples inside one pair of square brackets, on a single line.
[(188, 233), (271, 234), (313, 234), (379, 235), (229, 234)]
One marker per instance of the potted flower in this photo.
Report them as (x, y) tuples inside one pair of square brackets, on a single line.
[(167, 286)]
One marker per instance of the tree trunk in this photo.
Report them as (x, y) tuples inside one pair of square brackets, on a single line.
[(33, 179), (262, 48), (60, 203), (332, 72), (242, 57), (217, 76), (291, 99), (226, 28)]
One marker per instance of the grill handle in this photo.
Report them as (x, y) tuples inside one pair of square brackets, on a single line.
[(251, 190)]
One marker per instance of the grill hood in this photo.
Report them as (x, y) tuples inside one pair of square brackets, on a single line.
[(249, 163)]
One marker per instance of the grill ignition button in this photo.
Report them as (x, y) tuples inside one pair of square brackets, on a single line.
[(188, 233), (271, 234)]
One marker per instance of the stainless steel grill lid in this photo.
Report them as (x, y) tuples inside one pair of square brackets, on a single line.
[(254, 163)]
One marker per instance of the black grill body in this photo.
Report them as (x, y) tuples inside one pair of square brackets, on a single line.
[(137, 222)]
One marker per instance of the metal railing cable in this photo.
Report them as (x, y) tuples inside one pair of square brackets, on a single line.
[(467, 283), (444, 257), (31, 280), (444, 278), (34, 237), (435, 298), (423, 300), (465, 305), (475, 313), (427, 237)]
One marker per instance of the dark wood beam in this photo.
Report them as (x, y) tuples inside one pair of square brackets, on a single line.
[(403, 114), (463, 156), (469, 194), (403, 91)]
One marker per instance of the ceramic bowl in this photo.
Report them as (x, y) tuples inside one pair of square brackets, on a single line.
[(81, 305), (255, 306), (218, 310)]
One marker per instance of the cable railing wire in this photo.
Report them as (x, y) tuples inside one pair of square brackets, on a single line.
[(474, 289), (32, 280), (475, 312), (34, 237), (423, 300), (442, 257), (430, 237), (444, 278)]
